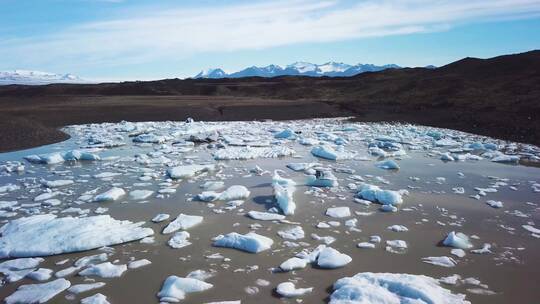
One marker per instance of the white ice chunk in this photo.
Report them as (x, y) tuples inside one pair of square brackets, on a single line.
[(265, 216), (98, 298), (385, 288), (37, 293), (174, 288), (42, 235), (457, 240), (111, 195), (80, 288), (338, 212), (179, 240), (250, 242), (104, 270), (294, 263), (288, 290), (328, 152), (331, 258), (442, 261), (189, 171), (283, 191), (184, 222), (140, 194)]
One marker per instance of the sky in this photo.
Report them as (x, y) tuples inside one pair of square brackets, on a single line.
[(152, 39)]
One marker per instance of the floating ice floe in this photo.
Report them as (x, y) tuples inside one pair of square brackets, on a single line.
[(388, 165), (37, 293), (175, 288), (43, 235), (138, 263), (98, 298), (288, 290), (140, 194), (160, 217), (338, 212), (293, 233), (285, 134), (80, 288), (179, 240), (375, 194), (57, 183), (9, 188), (293, 264), (443, 261), (331, 258), (398, 228), (17, 269), (189, 171), (112, 194), (250, 242), (236, 192), (322, 178), (60, 157), (457, 240), (184, 222), (327, 152), (495, 204), (283, 191), (243, 153), (384, 288), (104, 270), (265, 216)]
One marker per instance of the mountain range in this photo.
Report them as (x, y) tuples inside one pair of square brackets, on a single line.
[(330, 69), (36, 77)]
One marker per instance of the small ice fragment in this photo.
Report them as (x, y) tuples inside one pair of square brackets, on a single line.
[(331, 258), (111, 195), (457, 240), (287, 289), (184, 222), (293, 263), (338, 212), (175, 288), (98, 298), (250, 242), (104, 270), (443, 261)]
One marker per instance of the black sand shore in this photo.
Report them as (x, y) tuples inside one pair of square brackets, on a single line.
[(496, 97)]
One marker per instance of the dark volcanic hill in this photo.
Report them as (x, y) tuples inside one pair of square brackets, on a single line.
[(498, 97)]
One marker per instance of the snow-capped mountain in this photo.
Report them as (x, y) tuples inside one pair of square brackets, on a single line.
[(212, 73), (330, 69), (36, 77)]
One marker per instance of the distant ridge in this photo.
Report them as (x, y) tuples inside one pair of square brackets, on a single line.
[(330, 69)]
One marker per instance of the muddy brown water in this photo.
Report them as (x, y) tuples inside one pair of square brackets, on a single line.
[(513, 280)]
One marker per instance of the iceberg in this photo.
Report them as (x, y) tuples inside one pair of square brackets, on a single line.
[(265, 216), (46, 234), (179, 240), (457, 240), (283, 191), (104, 270), (442, 261), (98, 298), (288, 290), (244, 153), (322, 178), (37, 293), (338, 212), (388, 165), (189, 171), (250, 242), (330, 153), (184, 222), (384, 288), (175, 288), (235, 192), (111, 195), (293, 264), (331, 258), (375, 194)]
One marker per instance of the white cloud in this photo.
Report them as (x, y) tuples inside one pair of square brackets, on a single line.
[(177, 33)]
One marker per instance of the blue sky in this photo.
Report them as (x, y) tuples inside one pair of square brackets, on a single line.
[(150, 39)]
